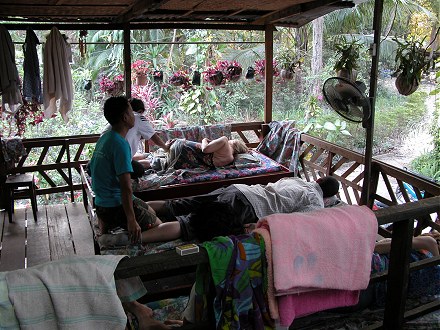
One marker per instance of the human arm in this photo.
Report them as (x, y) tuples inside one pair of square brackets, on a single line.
[(134, 230), (209, 146), (159, 142)]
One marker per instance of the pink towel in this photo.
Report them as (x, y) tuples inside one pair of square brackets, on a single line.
[(271, 299), (323, 249), (296, 305)]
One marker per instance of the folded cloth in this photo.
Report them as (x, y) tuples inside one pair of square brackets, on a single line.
[(323, 249), (296, 305), (70, 293)]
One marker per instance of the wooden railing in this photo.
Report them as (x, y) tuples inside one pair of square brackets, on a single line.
[(318, 158)]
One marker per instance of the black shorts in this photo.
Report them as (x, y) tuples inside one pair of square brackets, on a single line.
[(182, 208), (113, 217)]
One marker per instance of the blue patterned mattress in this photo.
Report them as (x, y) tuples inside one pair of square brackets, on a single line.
[(253, 164)]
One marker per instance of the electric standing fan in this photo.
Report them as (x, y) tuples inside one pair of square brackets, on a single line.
[(347, 99)]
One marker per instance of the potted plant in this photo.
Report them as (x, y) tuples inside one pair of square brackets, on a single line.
[(180, 78), (288, 61), (140, 69), (213, 76), (111, 87), (233, 71), (412, 59), (260, 68), (349, 52)]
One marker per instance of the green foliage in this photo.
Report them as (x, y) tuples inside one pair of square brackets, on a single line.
[(348, 53), (200, 103)]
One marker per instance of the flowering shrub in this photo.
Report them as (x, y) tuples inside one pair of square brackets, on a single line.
[(147, 94), (180, 78), (29, 113), (140, 67), (113, 86)]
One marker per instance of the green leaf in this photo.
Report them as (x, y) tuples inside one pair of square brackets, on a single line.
[(329, 126), (345, 132)]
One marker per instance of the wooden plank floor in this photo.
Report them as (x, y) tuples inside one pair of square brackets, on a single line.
[(61, 230)]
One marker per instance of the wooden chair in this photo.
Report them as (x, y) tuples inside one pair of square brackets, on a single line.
[(16, 186)]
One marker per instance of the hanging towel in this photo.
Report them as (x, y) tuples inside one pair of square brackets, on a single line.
[(9, 80), (31, 68), (323, 249), (57, 79), (70, 293)]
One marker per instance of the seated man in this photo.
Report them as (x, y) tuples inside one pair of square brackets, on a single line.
[(249, 203), (110, 168)]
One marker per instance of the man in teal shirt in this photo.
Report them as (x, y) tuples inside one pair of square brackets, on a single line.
[(110, 168), (115, 204)]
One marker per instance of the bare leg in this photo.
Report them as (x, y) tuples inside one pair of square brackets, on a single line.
[(426, 243), (418, 243), (157, 206), (166, 231), (144, 316)]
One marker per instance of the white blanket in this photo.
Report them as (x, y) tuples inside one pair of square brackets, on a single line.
[(71, 293)]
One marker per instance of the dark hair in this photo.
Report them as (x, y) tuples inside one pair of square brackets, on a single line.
[(138, 169), (329, 186), (215, 219), (115, 108), (137, 105)]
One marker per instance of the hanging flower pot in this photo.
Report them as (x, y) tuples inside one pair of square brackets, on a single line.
[(286, 74), (141, 79), (158, 76), (406, 86), (234, 72), (216, 78), (250, 73), (347, 74), (196, 78)]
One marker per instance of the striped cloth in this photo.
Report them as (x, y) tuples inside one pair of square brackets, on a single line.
[(71, 293)]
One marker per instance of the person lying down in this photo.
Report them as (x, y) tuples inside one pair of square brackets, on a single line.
[(209, 154), (234, 206)]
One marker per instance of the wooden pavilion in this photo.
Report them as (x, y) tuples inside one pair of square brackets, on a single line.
[(318, 157)]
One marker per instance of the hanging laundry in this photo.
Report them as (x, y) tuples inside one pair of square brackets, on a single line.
[(31, 68), (57, 78), (9, 80)]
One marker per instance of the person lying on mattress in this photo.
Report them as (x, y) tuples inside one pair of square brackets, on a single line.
[(185, 154), (110, 169), (244, 203)]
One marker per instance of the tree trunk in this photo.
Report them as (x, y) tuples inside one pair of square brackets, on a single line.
[(318, 32)]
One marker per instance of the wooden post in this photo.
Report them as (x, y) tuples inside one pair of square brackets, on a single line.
[(268, 71), (369, 124), (69, 169), (127, 61)]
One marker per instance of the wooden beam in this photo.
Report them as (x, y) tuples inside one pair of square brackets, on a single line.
[(139, 8), (279, 15), (268, 71)]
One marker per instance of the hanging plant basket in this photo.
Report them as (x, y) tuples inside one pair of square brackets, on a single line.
[(234, 72), (141, 79), (347, 74), (196, 78), (250, 73), (158, 76), (286, 74), (406, 86), (216, 78)]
